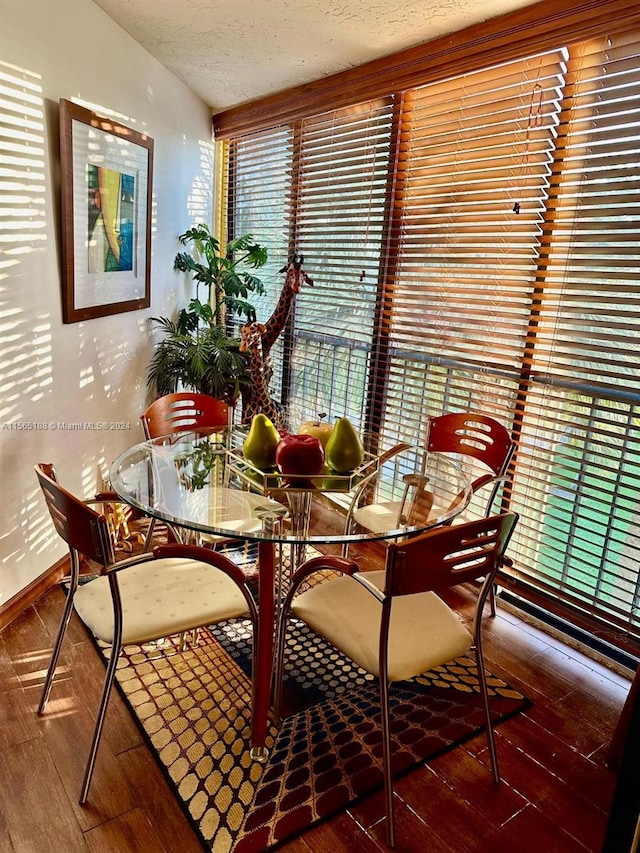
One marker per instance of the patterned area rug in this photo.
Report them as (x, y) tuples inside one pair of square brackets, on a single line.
[(194, 707)]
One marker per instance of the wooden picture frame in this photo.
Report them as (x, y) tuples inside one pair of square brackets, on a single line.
[(107, 172)]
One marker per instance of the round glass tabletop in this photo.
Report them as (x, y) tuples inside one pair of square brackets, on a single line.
[(204, 484)]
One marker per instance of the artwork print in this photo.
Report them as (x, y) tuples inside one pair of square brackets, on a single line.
[(111, 210)]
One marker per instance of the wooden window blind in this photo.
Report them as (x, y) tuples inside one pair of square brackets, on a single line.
[(472, 180), (260, 203), (473, 243), (580, 440), (327, 202)]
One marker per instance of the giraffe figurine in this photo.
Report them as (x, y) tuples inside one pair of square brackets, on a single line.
[(256, 339), (256, 396), (294, 280)]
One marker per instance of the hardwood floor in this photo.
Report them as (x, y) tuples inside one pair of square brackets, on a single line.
[(554, 796)]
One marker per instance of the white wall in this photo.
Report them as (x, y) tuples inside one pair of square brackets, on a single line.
[(93, 371)]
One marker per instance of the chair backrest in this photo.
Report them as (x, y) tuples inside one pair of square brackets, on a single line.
[(479, 437), (184, 412), (448, 556), (83, 529), (472, 434)]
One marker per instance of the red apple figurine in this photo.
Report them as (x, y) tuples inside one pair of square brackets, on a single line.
[(302, 455)]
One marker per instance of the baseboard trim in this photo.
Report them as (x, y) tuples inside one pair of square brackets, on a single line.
[(613, 657), (12, 608)]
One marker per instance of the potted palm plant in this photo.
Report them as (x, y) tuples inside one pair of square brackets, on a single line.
[(198, 350)]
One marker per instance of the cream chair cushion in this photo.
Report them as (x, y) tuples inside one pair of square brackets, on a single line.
[(424, 632), (379, 518), (160, 598)]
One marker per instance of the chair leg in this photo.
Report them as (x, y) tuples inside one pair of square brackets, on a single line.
[(148, 539), (492, 599), (386, 757), (189, 639), (62, 629), (102, 710), (482, 680), (116, 646)]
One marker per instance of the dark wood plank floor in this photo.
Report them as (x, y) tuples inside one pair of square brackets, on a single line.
[(554, 796)]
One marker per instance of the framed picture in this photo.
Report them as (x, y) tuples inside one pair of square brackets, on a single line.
[(107, 172)]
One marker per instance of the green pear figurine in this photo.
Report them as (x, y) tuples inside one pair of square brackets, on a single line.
[(259, 446), (344, 450)]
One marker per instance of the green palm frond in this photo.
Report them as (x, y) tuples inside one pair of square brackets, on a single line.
[(195, 351)]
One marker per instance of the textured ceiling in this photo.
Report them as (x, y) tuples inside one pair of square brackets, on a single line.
[(233, 51)]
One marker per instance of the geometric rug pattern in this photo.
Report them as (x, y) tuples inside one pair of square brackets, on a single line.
[(194, 707)]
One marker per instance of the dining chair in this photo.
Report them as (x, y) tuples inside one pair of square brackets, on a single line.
[(471, 435), (475, 436), (386, 514), (393, 624), (185, 411), (482, 438), (174, 589)]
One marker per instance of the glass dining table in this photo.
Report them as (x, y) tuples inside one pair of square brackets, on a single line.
[(202, 485)]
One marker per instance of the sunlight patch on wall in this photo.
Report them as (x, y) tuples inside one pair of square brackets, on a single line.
[(118, 364), (22, 158), (25, 360), (35, 524), (86, 377), (201, 193), (107, 112), (26, 353), (95, 476)]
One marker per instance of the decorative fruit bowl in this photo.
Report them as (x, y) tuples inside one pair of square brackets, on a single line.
[(268, 481)]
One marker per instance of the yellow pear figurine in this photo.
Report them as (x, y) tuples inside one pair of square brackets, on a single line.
[(259, 446), (344, 450)]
